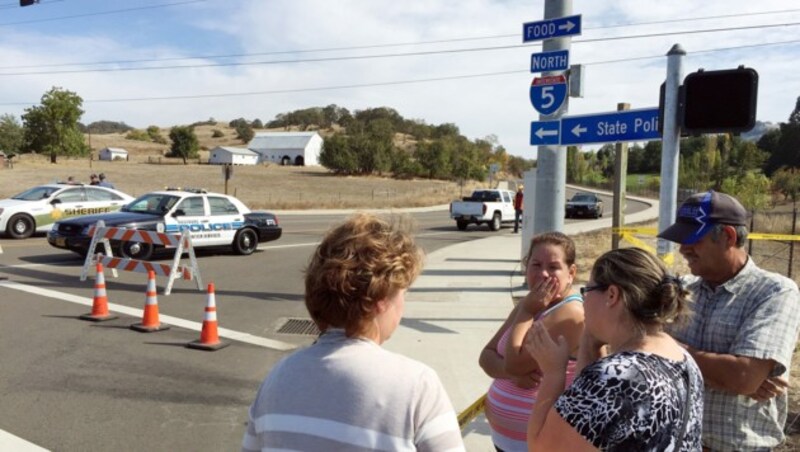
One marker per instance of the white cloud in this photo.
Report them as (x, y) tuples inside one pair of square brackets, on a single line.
[(479, 106)]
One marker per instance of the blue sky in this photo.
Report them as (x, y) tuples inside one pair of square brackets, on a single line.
[(43, 38)]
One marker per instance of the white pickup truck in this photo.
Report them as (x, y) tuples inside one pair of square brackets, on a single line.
[(492, 207)]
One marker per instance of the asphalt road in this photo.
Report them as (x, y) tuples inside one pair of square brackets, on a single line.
[(72, 385)]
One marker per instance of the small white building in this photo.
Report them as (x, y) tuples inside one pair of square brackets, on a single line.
[(113, 154), (226, 155), (287, 148)]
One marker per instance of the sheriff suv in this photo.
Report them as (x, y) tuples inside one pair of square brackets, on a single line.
[(584, 205), (212, 219), (37, 208)]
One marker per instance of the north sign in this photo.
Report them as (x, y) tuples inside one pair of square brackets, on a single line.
[(557, 60), (548, 93), (611, 127), (551, 28)]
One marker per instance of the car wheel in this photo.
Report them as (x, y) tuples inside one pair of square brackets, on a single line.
[(136, 250), (245, 242), (20, 226), (461, 225), (495, 224)]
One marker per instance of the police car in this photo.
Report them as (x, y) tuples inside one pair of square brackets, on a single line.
[(212, 219), (36, 209)]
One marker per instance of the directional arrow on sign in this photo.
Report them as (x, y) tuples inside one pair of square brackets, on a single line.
[(567, 26), (578, 130), (544, 133)]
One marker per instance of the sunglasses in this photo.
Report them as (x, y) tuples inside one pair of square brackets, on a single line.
[(587, 289)]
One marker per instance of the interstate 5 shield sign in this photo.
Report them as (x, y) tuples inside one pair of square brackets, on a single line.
[(548, 93)]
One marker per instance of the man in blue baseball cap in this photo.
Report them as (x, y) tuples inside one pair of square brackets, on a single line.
[(744, 327)]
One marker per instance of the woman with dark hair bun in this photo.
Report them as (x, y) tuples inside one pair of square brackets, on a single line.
[(637, 389)]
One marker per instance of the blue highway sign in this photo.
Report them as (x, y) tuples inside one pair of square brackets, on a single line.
[(557, 60), (545, 133), (551, 28), (627, 125), (548, 93)]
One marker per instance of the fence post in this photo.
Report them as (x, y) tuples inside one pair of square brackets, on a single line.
[(791, 244)]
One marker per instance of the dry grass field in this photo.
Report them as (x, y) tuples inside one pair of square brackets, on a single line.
[(260, 187)]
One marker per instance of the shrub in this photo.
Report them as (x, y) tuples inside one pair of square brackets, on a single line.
[(217, 134), (138, 135)]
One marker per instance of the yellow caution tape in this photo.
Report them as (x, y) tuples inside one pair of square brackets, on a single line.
[(761, 236), (645, 231), (668, 258), (472, 412), (753, 235), (637, 243)]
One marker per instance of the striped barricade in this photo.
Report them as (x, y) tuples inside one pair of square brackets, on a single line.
[(182, 243)]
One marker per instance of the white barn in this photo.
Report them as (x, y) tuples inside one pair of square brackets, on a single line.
[(113, 154), (287, 148), (225, 155)]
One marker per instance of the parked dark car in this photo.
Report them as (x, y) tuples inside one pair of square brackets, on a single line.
[(584, 205), (212, 219)]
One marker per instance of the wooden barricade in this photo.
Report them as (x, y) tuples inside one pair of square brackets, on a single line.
[(182, 243)]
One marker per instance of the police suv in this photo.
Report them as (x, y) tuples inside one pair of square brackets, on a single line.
[(212, 220), (36, 209)]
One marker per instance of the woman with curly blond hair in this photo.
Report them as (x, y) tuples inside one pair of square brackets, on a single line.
[(345, 392)]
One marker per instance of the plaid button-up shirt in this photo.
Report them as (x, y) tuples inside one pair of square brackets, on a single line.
[(755, 314)]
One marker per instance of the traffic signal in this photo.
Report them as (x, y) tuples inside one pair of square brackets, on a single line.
[(719, 101)]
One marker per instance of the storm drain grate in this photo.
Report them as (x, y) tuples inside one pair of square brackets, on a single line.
[(299, 326)]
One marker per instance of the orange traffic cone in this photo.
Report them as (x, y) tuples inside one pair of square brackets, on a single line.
[(150, 322), (100, 303), (209, 338)]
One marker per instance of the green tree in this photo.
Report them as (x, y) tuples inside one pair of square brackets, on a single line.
[(787, 182), (184, 143), (337, 156), (154, 133), (52, 127), (12, 135), (244, 132), (752, 190), (257, 124)]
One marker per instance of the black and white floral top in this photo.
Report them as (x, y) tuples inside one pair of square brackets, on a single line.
[(635, 401)]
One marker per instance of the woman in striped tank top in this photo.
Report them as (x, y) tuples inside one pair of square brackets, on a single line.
[(550, 271)]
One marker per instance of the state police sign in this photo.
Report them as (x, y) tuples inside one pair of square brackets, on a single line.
[(548, 93)]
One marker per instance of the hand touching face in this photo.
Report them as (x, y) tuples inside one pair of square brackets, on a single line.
[(547, 265)]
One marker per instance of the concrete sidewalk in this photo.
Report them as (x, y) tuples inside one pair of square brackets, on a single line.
[(462, 297)]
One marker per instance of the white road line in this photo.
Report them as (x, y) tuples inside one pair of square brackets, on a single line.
[(52, 264), (294, 245), (15, 443), (189, 325)]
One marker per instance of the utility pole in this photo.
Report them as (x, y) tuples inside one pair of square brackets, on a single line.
[(620, 190), (670, 149), (551, 168)]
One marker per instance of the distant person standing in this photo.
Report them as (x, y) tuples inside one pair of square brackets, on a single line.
[(93, 180), (104, 182), (517, 208)]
